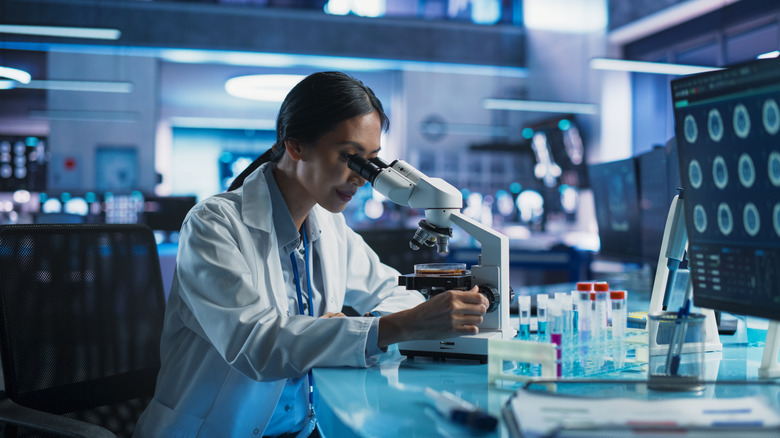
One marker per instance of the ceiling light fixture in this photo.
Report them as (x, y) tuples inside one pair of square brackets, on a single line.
[(648, 67), (540, 106), (570, 16), (768, 55), (95, 86), (317, 62), (64, 32), (268, 88), (15, 74), (223, 123)]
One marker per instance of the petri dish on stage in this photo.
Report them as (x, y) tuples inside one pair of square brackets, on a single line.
[(440, 269)]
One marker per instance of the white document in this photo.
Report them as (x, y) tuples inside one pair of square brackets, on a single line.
[(539, 414)]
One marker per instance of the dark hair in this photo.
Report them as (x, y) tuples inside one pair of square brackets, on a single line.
[(313, 108)]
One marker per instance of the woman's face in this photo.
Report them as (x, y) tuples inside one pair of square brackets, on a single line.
[(323, 170)]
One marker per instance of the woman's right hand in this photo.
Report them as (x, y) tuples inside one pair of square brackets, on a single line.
[(446, 315)]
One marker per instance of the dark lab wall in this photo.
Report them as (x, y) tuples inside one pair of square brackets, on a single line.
[(256, 29)]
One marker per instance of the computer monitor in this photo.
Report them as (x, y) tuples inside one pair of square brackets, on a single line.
[(727, 125), (616, 198), (166, 213)]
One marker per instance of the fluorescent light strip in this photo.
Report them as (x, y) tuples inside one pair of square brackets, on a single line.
[(196, 56), (665, 19), (65, 32), (648, 67), (15, 74), (335, 62), (769, 55), (222, 123), (540, 106), (103, 87), (464, 129), (95, 116)]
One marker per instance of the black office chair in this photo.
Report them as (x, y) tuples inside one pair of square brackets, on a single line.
[(81, 312)]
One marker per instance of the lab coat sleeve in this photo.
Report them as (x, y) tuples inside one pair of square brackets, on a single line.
[(373, 285), (229, 301)]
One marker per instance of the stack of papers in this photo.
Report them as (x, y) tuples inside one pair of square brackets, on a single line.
[(538, 414)]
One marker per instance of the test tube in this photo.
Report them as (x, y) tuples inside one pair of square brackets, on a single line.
[(601, 307), (567, 341), (556, 331), (583, 327), (524, 331), (599, 323), (541, 317), (602, 286), (582, 286), (575, 302), (618, 299), (566, 310)]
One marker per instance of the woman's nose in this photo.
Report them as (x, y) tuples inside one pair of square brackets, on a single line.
[(356, 179)]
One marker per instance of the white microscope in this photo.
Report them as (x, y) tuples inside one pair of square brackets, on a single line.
[(405, 185)]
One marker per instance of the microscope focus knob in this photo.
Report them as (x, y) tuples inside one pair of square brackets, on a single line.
[(491, 296)]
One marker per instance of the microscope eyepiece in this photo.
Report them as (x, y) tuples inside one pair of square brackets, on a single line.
[(367, 169)]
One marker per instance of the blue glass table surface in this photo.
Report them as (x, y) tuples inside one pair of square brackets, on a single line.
[(389, 400)]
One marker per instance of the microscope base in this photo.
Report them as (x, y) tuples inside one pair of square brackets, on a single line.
[(471, 347)]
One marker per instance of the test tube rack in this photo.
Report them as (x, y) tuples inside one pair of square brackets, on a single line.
[(523, 360)]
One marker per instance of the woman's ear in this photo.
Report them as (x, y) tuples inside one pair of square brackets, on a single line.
[(294, 148)]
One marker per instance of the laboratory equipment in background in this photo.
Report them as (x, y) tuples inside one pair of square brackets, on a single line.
[(231, 164), (559, 150), (23, 162), (727, 125), (165, 215), (160, 213), (19, 207), (123, 208), (405, 185)]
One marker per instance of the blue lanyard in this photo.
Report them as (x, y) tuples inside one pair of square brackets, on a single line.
[(300, 296)]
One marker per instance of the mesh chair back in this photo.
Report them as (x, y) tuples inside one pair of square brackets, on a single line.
[(81, 312)]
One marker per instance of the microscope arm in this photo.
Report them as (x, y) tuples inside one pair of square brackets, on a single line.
[(404, 185), (495, 246)]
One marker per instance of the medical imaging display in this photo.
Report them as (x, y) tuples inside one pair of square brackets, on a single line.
[(616, 198), (727, 125)]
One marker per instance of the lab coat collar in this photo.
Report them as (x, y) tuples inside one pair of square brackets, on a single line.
[(255, 203), (256, 208), (286, 233)]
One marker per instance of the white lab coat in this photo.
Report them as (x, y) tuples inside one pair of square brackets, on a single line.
[(229, 340)]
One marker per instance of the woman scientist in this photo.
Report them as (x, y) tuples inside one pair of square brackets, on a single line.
[(264, 269)]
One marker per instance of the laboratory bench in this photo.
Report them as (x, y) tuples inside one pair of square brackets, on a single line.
[(389, 400)]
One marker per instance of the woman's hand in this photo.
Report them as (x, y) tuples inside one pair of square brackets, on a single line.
[(448, 314), (333, 315)]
